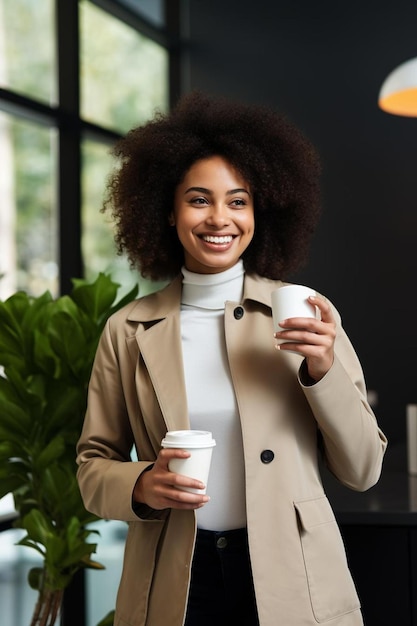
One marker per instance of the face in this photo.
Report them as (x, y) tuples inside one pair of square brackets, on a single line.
[(214, 216)]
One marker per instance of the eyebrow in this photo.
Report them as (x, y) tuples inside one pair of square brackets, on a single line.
[(208, 191)]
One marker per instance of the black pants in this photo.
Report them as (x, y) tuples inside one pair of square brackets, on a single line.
[(221, 591)]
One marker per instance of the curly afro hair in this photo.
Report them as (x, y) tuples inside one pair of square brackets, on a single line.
[(271, 154)]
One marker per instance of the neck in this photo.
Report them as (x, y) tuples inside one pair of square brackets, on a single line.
[(210, 291)]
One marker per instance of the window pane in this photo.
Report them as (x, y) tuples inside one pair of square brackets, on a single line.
[(98, 247), (123, 74), (28, 216), (27, 48)]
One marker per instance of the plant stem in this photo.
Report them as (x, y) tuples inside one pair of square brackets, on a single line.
[(47, 608)]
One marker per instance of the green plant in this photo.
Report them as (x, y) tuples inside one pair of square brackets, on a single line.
[(47, 348)]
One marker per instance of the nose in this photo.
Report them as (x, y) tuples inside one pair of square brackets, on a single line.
[(218, 216)]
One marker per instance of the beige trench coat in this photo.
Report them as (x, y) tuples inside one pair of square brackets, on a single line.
[(137, 393)]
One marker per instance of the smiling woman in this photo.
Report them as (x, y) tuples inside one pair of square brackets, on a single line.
[(199, 199)]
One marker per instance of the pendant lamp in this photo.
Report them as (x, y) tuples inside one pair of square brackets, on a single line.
[(398, 94)]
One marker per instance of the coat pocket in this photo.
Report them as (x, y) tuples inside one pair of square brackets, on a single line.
[(331, 587)]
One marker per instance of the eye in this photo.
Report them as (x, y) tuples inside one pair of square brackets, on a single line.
[(200, 200), (238, 202)]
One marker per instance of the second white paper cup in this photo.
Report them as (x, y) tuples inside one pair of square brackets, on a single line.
[(200, 444), (291, 301)]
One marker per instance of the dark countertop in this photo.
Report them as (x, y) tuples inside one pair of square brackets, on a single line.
[(391, 502)]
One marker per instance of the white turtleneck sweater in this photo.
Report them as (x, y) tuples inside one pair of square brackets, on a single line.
[(211, 399)]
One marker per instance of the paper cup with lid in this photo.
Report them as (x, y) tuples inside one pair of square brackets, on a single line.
[(200, 444)]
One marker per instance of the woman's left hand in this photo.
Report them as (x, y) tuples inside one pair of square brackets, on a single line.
[(312, 338)]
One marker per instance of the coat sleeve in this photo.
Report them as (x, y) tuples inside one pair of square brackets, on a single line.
[(106, 472), (354, 445)]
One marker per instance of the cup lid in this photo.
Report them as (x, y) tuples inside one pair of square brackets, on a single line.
[(188, 439)]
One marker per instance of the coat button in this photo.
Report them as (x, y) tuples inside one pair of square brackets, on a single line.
[(267, 456), (238, 312)]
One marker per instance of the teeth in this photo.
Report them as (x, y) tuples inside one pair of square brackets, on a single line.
[(212, 239)]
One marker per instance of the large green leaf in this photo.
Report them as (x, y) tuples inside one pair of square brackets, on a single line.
[(50, 453), (11, 314), (38, 527), (14, 420), (43, 355), (95, 299), (125, 300), (69, 341), (19, 315)]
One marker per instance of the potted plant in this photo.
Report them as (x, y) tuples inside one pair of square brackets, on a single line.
[(47, 347)]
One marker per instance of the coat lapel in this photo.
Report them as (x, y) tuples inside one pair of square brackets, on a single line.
[(160, 347), (159, 340)]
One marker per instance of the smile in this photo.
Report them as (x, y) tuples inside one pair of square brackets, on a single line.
[(213, 239)]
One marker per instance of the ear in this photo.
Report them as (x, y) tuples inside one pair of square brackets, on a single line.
[(171, 219)]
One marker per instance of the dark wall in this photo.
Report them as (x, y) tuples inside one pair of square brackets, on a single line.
[(322, 64)]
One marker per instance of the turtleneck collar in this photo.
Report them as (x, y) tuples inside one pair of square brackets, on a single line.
[(210, 291)]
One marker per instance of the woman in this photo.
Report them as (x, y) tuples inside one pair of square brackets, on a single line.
[(223, 198)]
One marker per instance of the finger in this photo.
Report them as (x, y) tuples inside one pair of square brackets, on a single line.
[(164, 492), (178, 498), (305, 342), (324, 308), (180, 481), (299, 323), (174, 480), (166, 454), (301, 329)]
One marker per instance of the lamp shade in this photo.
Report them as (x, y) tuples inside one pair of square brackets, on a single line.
[(398, 94)]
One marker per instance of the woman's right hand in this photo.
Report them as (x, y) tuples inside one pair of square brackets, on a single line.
[(160, 489)]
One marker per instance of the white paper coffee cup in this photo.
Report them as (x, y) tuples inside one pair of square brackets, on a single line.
[(200, 444), (291, 301)]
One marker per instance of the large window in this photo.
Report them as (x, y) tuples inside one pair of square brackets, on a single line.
[(75, 75)]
